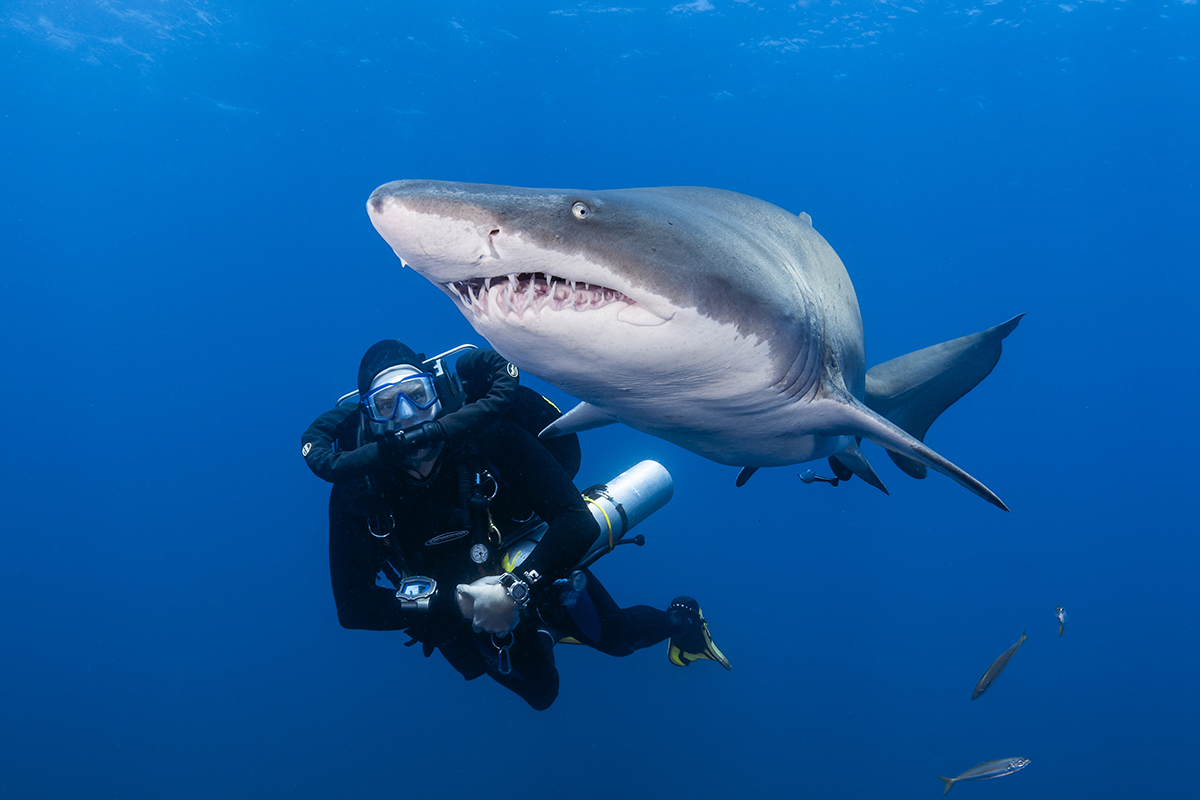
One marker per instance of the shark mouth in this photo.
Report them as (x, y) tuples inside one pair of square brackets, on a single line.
[(516, 293)]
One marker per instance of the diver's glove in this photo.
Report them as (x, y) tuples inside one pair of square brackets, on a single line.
[(397, 446), (488, 605)]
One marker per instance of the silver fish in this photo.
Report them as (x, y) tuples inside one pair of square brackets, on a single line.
[(1062, 618), (987, 770), (994, 670)]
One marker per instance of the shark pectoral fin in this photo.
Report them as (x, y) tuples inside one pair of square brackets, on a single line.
[(858, 420), (582, 417), (744, 476), (852, 461), (914, 389)]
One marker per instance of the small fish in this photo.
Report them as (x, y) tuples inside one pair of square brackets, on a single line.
[(987, 770), (994, 669), (1062, 618), (808, 476)]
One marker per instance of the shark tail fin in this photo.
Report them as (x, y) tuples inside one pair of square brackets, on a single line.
[(949, 783), (913, 390)]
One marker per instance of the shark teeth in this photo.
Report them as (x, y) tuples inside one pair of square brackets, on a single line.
[(517, 293)]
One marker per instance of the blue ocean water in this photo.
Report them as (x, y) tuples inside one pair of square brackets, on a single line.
[(189, 278)]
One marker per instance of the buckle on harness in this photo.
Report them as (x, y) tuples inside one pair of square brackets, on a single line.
[(503, 660), (377, 523)]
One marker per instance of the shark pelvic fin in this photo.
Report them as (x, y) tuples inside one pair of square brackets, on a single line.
[(582, 417), (852, 462), (914, 389), (745, 475), (840, 470)]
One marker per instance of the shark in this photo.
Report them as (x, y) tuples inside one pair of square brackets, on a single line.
[(711, 319)]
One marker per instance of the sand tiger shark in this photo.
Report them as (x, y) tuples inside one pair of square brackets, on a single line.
[(712, 319)]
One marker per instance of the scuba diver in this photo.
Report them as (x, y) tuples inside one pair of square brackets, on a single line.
[(434, 475)]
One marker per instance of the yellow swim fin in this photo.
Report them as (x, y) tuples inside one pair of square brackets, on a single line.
[(694, 642)]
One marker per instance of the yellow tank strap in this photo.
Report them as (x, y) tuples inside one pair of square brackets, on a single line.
[(607, 521)]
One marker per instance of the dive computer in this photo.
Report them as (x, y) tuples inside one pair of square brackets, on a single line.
[(416, 592), (516, 588)]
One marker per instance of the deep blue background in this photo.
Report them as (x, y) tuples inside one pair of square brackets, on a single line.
[(188, 277)]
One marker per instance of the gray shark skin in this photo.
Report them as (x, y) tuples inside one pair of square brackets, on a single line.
[(711, 319)]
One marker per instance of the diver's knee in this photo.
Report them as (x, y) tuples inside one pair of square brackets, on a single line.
[(542, 700), (540, 694)]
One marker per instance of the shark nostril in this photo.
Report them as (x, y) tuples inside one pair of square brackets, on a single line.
[(494, 232)]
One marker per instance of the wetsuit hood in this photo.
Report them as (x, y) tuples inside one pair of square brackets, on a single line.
[(384, 355)]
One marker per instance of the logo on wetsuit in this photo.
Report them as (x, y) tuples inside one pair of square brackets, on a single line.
[(512, 369), (304, 450), (449, 536)]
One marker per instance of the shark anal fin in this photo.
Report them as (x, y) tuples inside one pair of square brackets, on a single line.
[(744, 476), (582, 417)]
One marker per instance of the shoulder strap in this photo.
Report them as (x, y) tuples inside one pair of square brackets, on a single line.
[(533, 413)]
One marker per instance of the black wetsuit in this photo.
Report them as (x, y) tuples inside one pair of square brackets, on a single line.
[(435, 534)]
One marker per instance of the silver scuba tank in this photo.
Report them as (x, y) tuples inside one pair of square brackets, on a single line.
[(617, 506), (626, 500)]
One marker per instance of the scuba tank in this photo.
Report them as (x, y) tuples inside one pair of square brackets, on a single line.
[(623, 502), (617, 506)]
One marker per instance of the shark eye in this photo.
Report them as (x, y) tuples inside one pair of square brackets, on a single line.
[(581, 210)]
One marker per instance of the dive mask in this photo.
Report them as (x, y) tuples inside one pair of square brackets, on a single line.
[(403, 403)]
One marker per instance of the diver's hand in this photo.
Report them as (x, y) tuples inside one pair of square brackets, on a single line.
[(489, 607)]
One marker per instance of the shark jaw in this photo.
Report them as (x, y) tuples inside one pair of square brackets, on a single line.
[(593, 338), (513, 295)]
